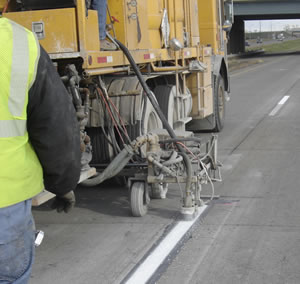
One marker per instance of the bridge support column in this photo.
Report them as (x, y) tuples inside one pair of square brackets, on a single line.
[(236, 42)]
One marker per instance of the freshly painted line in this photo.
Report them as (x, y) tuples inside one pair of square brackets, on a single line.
[(275, 110), (279, 105), (283, 100), (155, 259)]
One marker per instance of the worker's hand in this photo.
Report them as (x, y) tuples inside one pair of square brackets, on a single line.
[(64, 203)]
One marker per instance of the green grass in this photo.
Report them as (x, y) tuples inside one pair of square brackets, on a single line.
[(278, 47), (285, 46)]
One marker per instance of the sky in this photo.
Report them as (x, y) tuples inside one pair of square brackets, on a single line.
[(271, 25)]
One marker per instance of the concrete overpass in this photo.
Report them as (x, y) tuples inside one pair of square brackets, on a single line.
[(258, 10)]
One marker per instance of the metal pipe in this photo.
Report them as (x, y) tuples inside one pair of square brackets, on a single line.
[(167, 68), (101, 71), (86, 93), (195, 139), (74, 91)]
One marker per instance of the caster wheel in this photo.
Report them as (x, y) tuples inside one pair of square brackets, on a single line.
[(139, 199)]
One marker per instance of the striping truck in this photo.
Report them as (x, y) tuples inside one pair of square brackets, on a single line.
[(138, 105)]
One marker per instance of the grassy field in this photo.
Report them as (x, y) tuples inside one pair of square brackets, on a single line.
[(285, 46), (237, 63)]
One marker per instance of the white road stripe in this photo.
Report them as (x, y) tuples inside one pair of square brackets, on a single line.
[(279, 105), (283, 100), (155, 259)]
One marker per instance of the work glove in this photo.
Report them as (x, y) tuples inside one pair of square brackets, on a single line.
[(64, 203)]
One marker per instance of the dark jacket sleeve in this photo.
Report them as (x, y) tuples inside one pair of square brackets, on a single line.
[(53, 129)]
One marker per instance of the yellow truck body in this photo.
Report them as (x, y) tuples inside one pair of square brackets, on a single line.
[(70, 35), (178, 48)]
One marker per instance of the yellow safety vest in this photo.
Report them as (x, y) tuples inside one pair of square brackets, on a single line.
[(21, 175)]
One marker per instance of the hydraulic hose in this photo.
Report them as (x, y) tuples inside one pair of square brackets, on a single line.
[(165, 122), (174, 159), (118, 164), (121, 160), (193, 139)]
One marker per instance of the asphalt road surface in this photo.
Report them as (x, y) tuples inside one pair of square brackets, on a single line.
[(251, 234)]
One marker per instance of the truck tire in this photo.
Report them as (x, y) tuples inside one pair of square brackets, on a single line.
[(165, 97), (219, 103), (150, 120)]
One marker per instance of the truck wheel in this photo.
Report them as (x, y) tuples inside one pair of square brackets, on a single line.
[(151, 120), (138, 199), (219, 103), (165, 96)]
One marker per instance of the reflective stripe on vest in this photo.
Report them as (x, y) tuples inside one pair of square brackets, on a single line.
[(12, 128), (21, 175), (19, 67)]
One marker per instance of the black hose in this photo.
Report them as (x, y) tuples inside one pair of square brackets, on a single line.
[(143, 115), (163, 119)]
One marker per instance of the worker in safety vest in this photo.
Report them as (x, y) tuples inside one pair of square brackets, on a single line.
[(39, 145)]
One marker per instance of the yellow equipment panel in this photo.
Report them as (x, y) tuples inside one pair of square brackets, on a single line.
[(56, 29), (200, 85), (209, 32), (155, 12), (176, 19), (132, 26), (2, 4), (193, 18)]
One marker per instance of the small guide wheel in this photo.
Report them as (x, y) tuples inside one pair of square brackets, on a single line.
[(139, 199)]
